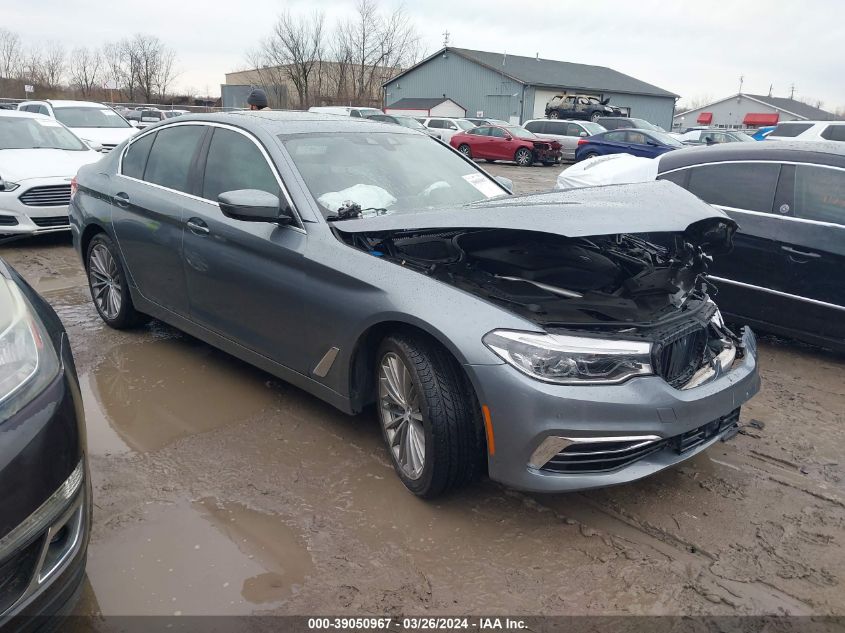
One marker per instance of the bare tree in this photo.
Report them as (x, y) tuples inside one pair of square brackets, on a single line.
[(293, 53), (53, 65), (11, 54), (149, 64), (31, 69), (693, 103), (85, 69), (166, 71)]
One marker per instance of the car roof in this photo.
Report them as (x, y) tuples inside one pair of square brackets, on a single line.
[(289, 122), (813, 122), (821, 152), (75, 104), (21, 114)]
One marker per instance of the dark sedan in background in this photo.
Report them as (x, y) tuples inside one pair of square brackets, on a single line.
[(44, 487), (786, 273), (645, 143)]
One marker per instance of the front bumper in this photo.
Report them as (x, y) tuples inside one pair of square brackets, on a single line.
[(525, 413), (19, 218)]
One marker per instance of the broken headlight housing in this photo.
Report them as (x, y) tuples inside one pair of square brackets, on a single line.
[(571, 360), (28, 362)]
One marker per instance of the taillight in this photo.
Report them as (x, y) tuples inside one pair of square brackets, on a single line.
[(582, 141), (74, 187)]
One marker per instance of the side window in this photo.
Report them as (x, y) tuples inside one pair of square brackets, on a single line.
[(679, 177), (436, 124), (449, 125), (355, 113), (483, 131), (820, 194), (135, 158), (748, 186), (235, 162), (790, 129), (42, 109), (638, 138), (573, 129), (171, 156), (834, 133), (617, 136), (536, 126), (497, 132)]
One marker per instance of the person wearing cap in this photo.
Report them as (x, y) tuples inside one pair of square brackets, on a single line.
[(257, 100)]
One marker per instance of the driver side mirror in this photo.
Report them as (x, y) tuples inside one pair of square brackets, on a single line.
[(253, 205), (508, 137)]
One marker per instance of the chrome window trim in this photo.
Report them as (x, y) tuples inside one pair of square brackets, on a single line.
[(789, 218), (779, 293), (299, 227)]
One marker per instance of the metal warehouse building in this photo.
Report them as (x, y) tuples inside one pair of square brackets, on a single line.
[(746, 110), (515, 88)]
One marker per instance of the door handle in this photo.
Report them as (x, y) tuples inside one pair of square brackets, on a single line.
[(198, 227), (121, 199), (797, 253)]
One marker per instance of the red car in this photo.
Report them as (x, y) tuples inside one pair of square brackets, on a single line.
[(506, 142)]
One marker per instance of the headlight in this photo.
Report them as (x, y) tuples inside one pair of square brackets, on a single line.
[(6, 185), (28, 362), (571, 360)]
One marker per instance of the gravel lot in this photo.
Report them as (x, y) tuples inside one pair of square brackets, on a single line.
[(222, 490)]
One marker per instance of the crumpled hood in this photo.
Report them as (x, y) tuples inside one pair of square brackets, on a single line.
[(652, 207), (21, 164)]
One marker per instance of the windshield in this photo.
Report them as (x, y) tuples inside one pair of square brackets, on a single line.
[(592, 128), (666, 139), (81, 116), (37, 133), (385, 171), (742, 136), (519, 132), (642, 124), (465, 125), (405, 121)]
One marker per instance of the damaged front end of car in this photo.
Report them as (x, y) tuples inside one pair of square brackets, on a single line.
[(647, 287)]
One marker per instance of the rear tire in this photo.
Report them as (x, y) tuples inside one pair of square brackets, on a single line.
[(554, 114), (108, 285), (523, 157), (595, 116), (464, 149), (428, 415)]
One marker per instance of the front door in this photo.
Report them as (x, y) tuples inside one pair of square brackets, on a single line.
[(244, 279), (149, 201)]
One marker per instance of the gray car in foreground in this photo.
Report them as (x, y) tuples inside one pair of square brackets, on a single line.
[(559, 341)]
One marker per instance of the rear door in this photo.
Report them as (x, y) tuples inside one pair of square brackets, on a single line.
[(150, 200), (810, 206), (245, 279)]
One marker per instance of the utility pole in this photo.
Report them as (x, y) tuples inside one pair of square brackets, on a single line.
[(770, 89), (741, 80), (446, 38), (791, 90)]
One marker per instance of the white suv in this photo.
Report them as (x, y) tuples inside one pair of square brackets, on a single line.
[(353, 111), (808, 131), (95, 123), (445, 128)]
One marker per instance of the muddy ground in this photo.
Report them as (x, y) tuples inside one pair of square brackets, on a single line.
[(222, 490)]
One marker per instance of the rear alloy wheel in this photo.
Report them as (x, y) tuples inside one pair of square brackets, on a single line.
[(427, 414), (554, 114), (465, 150), (595, 116), (107, 282), (524, 157)]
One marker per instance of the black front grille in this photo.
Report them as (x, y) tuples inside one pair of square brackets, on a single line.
[(53, 220), (47, 196), (679, 357), (16, 573), (602, 457), (8, 220)]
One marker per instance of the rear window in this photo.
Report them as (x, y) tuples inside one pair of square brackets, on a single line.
[(834, 133), (541, 126), (820, 194), (789, 130), (171, 156), (87, 116), (135, 158), (748, 186)]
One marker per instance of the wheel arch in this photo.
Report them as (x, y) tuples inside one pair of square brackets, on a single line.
[(88, 234)]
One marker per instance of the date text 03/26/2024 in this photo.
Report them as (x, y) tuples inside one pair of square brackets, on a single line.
[(417, 623)]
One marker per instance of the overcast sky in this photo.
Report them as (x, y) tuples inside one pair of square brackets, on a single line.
[(694, 48)]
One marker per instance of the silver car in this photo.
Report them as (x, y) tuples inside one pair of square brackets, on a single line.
[(567, 133), (543, 339)]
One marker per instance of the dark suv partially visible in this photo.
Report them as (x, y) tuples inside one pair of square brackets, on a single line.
[(584, 107), (44, 486)]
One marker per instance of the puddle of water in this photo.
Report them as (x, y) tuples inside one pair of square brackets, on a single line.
[(146, 395), (224, 559)]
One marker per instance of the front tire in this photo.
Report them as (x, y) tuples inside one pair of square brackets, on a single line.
[(524, 157), (554, 114), (108, 285), (595, 116), (428, 416), (464, 149)]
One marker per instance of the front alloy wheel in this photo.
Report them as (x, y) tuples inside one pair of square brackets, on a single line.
[(401, 416), (524, 157)]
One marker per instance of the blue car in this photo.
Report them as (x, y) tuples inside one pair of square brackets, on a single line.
[(763, 132), (645, 143)]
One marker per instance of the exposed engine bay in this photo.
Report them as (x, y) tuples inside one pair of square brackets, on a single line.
[(617, 286)]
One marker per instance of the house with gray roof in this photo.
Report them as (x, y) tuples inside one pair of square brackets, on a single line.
[(516, 88), (745, 110)]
